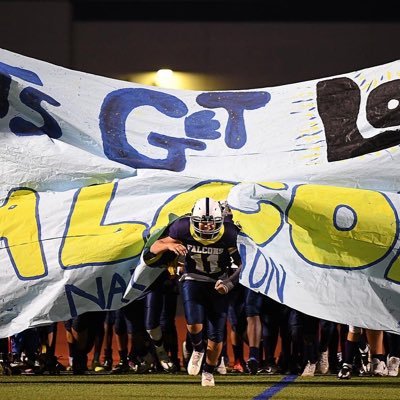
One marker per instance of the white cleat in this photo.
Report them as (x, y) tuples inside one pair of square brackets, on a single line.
[(378, 367), (309, 369), (207, 379), (195, 361), (323, 363), (393, 366), (221, 369)]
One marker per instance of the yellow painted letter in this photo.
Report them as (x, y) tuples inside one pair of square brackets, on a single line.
[(19, 228), (88, 241), (341, 227)]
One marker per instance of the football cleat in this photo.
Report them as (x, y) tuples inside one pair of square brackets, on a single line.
[(195, 362), (121, 368), (50, 364), (365, 361), (378, 367), (271, 369), (168, 366), (146, 364), (221, 368), (309, 369), (323, 363), (207, 379), (60, 367), (345, 371), (97, 367), (393, 366), (252, 365), (107, 364), (165, 361), (32, 367)]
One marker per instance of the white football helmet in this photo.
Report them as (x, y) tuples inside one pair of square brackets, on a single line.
[(207, 211)]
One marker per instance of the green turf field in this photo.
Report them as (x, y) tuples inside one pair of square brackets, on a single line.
[(182, 386)]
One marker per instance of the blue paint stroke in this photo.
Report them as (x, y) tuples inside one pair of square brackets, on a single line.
[(309, 134), (273, 390)]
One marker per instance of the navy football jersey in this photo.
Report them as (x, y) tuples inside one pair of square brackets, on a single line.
[(209, 257)]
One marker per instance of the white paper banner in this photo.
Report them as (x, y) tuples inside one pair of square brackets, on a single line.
[(68, 247)]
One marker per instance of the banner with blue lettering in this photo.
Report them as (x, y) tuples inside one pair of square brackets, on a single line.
[(91, 166)]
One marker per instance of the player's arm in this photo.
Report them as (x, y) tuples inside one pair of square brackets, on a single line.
[(168, 243), (226, 285)]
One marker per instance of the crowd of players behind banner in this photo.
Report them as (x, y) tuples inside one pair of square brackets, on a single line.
[(202, 266)]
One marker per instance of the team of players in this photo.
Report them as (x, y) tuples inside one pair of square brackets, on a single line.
[(202, 246)]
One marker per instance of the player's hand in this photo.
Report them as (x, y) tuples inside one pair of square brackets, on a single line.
[(177, 248), (220, 287)]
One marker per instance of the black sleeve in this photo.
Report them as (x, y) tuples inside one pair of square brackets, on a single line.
[(232, 281), (158, 260)]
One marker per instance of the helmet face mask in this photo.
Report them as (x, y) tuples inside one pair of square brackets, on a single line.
[(206, 218)]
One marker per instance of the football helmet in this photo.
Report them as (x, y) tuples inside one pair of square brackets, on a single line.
[(207, 218)]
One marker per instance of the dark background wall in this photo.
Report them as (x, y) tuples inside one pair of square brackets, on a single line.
[(246, 43)]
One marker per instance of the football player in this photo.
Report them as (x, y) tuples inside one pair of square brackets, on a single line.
[(377, 367), (81, 334), (209, 247), (238, 322), (265, 318), (393, 350), (155, 302)]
